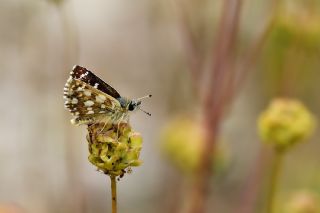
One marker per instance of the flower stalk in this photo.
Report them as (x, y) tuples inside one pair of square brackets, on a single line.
[(114, 149), (276, 169), (114, 193), (285, 123)]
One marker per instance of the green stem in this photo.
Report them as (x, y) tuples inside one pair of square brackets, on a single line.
[(274, 180), (114, 193)]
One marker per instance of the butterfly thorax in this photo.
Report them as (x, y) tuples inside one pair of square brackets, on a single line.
[(128, 104), (121, 114)]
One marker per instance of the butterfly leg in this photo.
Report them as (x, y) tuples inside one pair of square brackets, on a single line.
[(119, 122), (106, 121)]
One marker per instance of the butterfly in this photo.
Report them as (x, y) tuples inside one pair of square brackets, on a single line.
[(90, 100)]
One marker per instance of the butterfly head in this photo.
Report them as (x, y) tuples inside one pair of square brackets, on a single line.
[(133, 105)]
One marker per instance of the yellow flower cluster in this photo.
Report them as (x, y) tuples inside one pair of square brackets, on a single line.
[(285, 122), (114, 148)]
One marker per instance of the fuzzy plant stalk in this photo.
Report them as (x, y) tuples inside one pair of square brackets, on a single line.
[(70, 54), (283, 124), (223, 82), (217, 97), (114, 149), (276, 169)]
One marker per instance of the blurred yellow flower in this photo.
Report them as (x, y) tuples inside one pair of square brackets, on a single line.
[(285, 122), (182, 143), (303, 202)]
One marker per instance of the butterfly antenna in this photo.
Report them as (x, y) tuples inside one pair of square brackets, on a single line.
[(148, 113), (147, 96)]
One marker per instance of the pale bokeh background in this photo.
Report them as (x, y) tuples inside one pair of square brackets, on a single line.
[(137, 47)]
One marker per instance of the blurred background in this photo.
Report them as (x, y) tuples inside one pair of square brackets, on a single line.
[(151, 47)]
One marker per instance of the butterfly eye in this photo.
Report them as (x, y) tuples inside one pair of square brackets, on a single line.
[(132, 106)]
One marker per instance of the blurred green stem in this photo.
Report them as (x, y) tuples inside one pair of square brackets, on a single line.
[(114, 193), (274, 180)]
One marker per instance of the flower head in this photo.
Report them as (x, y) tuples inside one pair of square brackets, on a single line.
[(183, 142), (114, 148), (285, 122)]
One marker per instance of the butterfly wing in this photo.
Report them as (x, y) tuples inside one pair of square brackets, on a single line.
[(86, 102), (88, 77)]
